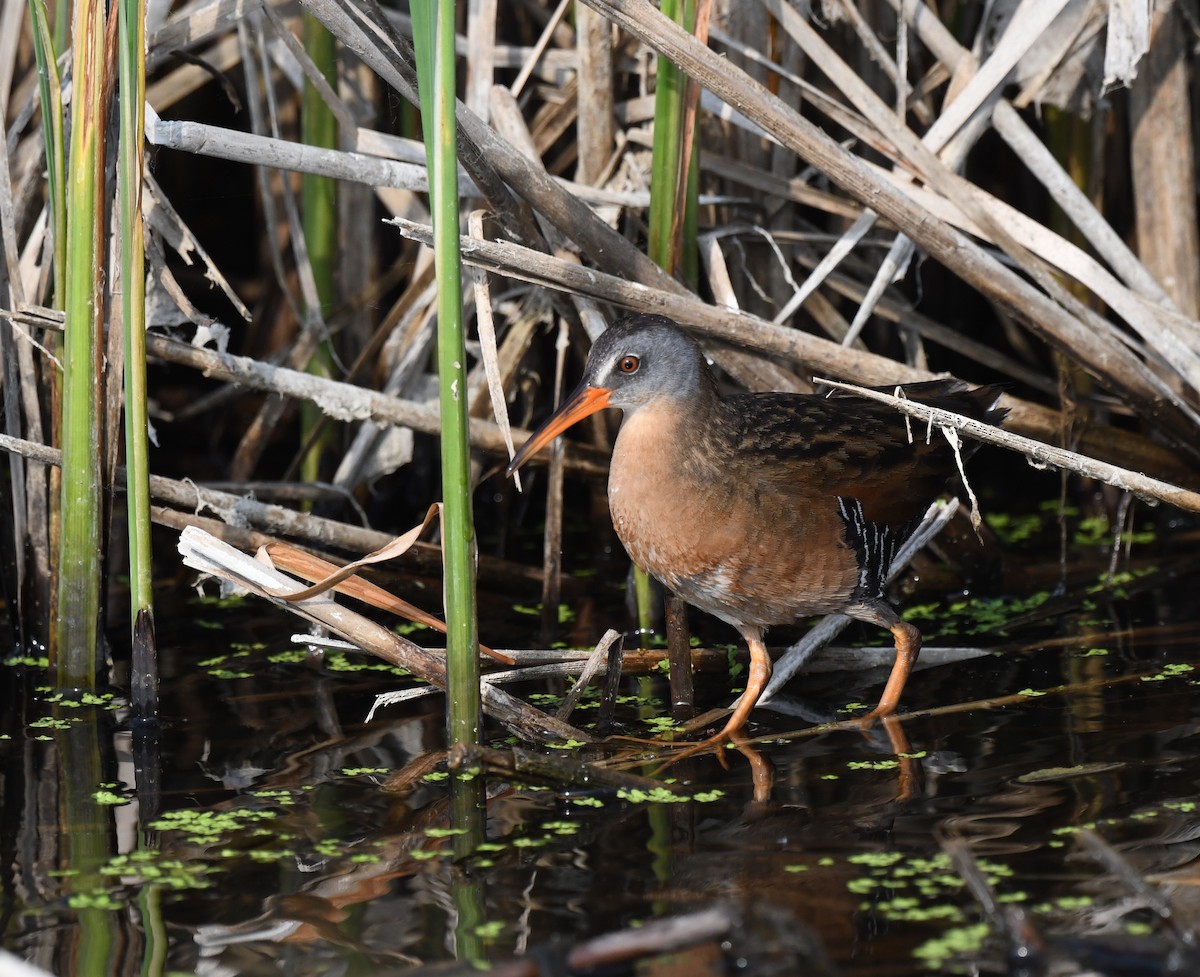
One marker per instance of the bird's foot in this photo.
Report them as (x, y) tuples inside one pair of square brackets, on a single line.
[(756, 681), (865, 723), (650, 741), (761, 769), (688, 747), (730, 735), (715, 744)]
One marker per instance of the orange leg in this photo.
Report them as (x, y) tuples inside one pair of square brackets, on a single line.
[(756, 681), (908, 646)]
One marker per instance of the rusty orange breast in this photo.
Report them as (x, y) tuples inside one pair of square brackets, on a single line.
[(699, 517)]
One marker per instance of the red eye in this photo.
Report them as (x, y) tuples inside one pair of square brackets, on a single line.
[(629, 364)]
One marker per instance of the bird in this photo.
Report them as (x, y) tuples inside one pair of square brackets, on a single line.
[(765, 508)]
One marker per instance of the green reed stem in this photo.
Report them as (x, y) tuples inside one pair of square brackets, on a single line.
[(132, 67), (318, 194), (79, 552), (318, 199), (433, 34), (62, 26), (670, 103), (50, 91)]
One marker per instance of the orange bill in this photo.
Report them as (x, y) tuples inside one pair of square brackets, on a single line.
[(586, 400)]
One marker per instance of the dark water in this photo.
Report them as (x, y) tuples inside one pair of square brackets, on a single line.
[(272, 846)]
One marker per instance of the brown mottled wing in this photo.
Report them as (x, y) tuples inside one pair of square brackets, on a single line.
[(854, 448)]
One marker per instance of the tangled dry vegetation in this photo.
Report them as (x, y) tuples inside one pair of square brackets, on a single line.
[(887, 188)]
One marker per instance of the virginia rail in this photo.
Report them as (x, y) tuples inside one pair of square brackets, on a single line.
[(762, 508)]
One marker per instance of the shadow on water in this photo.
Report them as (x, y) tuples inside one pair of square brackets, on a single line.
[(270, 835)]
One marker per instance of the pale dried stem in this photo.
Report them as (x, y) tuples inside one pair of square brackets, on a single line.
[(209, 555)]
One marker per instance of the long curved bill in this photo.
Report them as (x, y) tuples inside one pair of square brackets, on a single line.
[(584, 401)]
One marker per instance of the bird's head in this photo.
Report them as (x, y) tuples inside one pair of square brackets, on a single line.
[(638, 360)]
